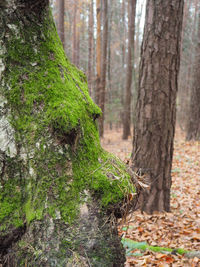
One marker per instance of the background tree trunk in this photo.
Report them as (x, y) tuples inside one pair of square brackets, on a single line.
[(104, 66), (156, 103), (90, 44), (98, 52), (189, 37), (58, 188), (127, 102), (78, 27), (193, 127), (184, 77), (74, 43), (61, 21), (124, 34), (109, 91)]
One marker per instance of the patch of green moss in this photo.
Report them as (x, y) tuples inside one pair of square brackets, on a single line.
[(10, 208), (105, 176), (11, 195), (53, 117), (130, 245), (32, 213)]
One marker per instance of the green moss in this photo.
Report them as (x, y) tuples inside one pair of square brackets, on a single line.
[(104, 175), (130, 245), (11, 195), (53, 117), (32, 213)]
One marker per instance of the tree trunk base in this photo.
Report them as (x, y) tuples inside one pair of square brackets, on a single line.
[(91, 240)]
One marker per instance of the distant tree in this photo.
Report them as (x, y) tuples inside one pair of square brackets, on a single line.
[(78, 27), (188, 46), (193, 127), (98, 51), (74, 43), (90, 44), (109, 87), (129, 70), (102, 88), (123, 45), (61, 20), (110, 16), (156, 104)]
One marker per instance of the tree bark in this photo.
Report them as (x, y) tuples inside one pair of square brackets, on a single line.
[(90, 44), (185, 69), (78, 34), (127, 102), (59, 191), (189, 34), (98, 52), (193, 127), (61, 21), (156, 103), (123, 34), (74, 47), (109, 49), (104, 66)]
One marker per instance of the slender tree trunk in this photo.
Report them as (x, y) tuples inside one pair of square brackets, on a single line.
[(156, 103), (123, 42), (127, 102), (187, 6), (136, 61), (191, 64), (90, 44), (124, 35), (185, 69), (98, 51), (61, 20), (58, 188), (187, 61), (109, 45), (193, 127), (78, 27), (194, 40), (109, 94), (74, 48), (137, 39), (104, 66)]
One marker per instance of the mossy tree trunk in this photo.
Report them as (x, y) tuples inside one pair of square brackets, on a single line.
[(59, 191)]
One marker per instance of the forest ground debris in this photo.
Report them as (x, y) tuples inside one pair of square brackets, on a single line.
[(178, 229)]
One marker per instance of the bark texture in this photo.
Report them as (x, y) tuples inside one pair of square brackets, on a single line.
[(129, 71), (59, 191), (156, 103), (187, 63), (74, 46), (61, 21), (102, 88), (90, 45), (98, 51), (193, 127), (78, 34)]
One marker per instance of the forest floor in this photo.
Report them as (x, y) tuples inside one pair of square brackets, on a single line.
[(178, 229)]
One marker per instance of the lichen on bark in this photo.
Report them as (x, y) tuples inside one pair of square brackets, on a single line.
[(59, 188)]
